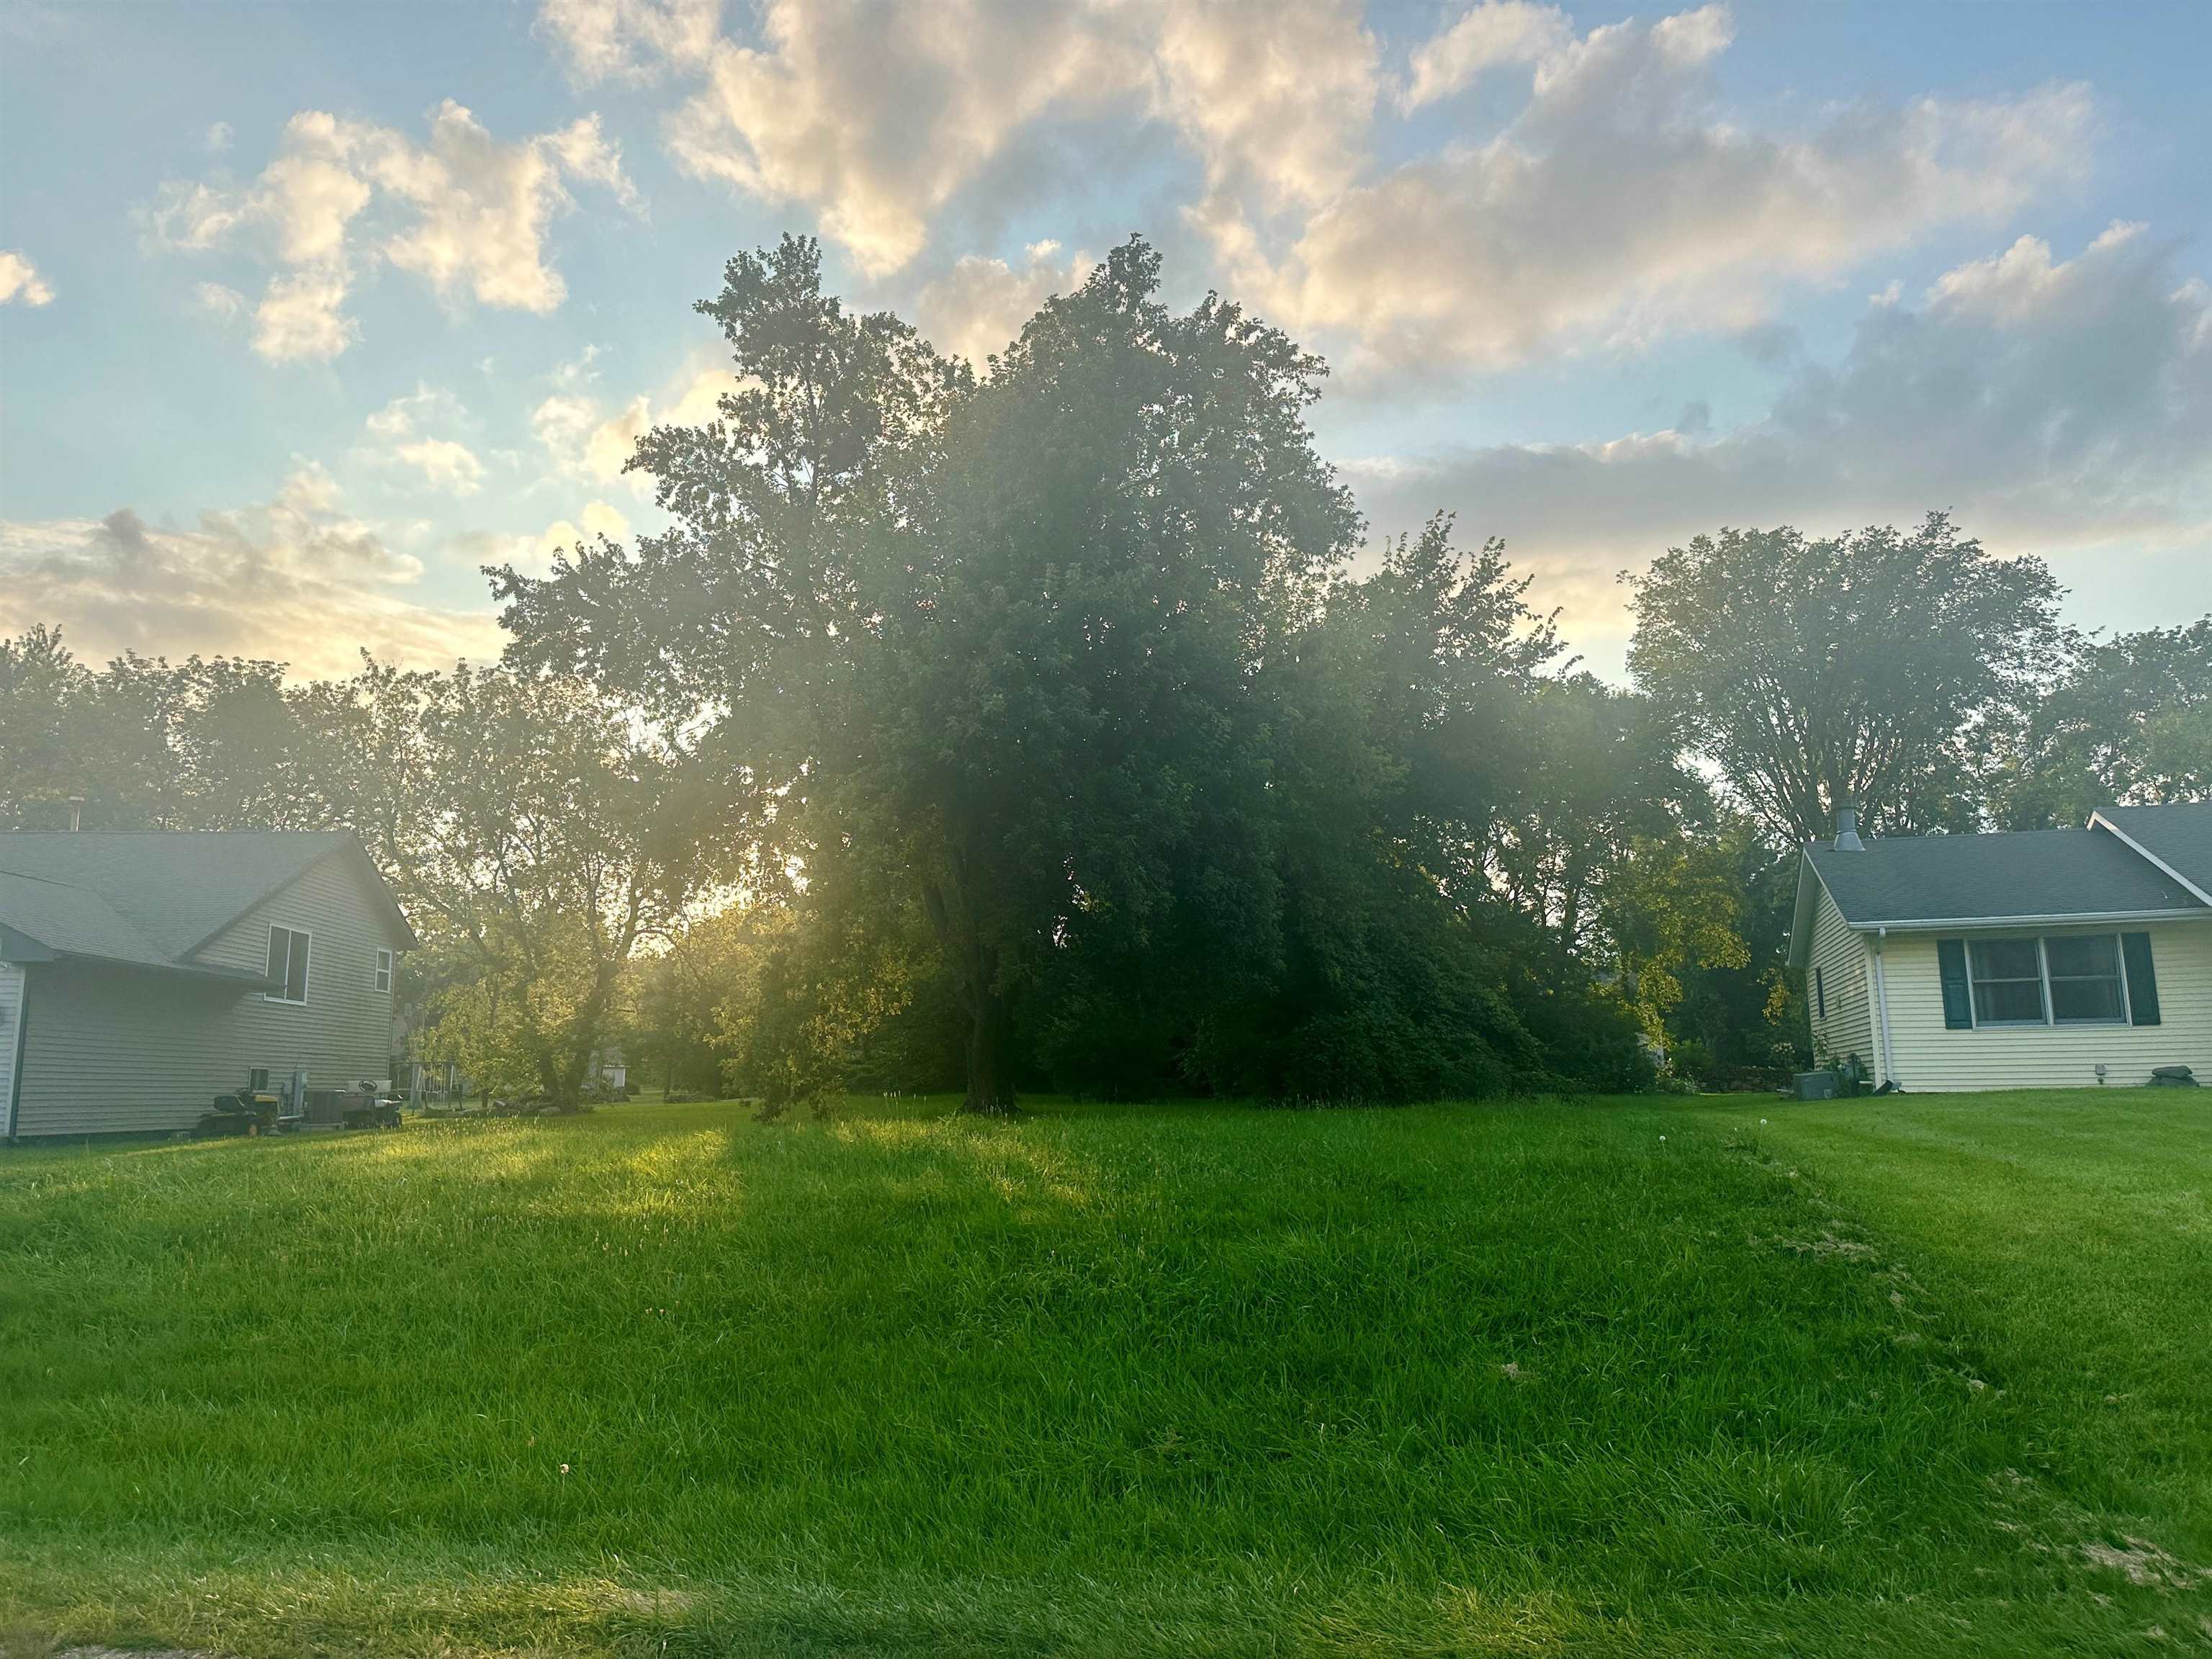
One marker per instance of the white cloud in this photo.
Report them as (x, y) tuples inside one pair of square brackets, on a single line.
[(444, 464), (587, 441), (600, 519), (291, 578), (484, 206), (404, 416), (533, 556), (300, 318), (218, 137), (877, 114), (2058, 407), (1276, 96), (20, 284), (1622, 202), (1490, 34), (978, 306), (398, 439), (224, 302), (632, 39), (563, 423), (466, 212)]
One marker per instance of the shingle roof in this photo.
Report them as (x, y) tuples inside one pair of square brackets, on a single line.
[(149, 897), (2178, 836), (71, 920), (2039, 873), (176, 887)]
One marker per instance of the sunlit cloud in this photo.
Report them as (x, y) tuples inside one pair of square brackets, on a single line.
[(1973, 397), (20, 284), (292, 578), (463, 211)]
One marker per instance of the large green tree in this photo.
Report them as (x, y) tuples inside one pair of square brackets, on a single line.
[(984, 653), (1854, 668), (537, 836), (46, 708), (144, 744), (2131, 721)]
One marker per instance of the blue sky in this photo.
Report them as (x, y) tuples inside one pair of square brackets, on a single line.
[(309, 311)]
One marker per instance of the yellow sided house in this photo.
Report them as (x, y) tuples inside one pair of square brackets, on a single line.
[(143, 973), (2057, 958)]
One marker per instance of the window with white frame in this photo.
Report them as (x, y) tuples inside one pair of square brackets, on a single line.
[(288, 965), (2008, 981), (2063, 979), (384, 970), (2086, 987)]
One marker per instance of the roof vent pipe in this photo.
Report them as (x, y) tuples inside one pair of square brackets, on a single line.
[(1847, 829)]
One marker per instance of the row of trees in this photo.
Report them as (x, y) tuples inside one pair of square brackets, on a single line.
[(1042, 730), (537, 836)]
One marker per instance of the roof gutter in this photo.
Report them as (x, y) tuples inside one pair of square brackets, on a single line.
[(2099, 821), (243, 977), (1930, 924)]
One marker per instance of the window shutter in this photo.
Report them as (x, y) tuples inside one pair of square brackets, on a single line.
[(2142, 979), (1958, 1000)]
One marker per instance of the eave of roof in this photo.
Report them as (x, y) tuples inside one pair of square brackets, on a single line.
[(1809, 888), (242, 976), (2101, 820)]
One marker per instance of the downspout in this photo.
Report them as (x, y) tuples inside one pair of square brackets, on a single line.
[(1882, 1003), (15, 1072)]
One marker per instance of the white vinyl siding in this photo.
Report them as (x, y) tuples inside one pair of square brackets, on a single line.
[(110, 1049), (1845, 966), (1931, 1057)]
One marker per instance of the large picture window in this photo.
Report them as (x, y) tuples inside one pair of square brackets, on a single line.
[(288, 965), (2068, 979)]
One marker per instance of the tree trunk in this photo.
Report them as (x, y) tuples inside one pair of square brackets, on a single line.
[(990, 1012), (990, 1053)]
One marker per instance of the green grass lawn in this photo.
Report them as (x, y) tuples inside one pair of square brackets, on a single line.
[(1600, 1378), (2071, 1235)]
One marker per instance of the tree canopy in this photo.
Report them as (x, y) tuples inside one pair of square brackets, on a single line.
[(1062, 671), (1063, 726), (1854, 668)]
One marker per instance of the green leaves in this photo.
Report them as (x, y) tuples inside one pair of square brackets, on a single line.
[(1855, 668)]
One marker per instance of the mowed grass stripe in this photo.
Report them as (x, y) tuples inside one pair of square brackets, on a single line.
[(2074, 1230), (1157, 1379)]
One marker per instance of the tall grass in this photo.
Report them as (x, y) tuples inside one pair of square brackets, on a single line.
[(1105, 1380)]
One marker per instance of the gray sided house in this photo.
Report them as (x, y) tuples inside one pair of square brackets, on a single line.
[(141, 974), (2055, 958)]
